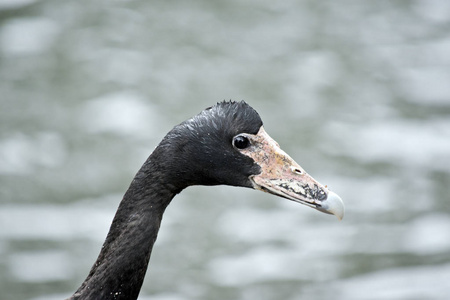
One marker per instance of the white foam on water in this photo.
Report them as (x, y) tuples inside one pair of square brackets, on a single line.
[(27, 36), (14, 4), (428, 234), (21, 154), (57, 222), (124, 113), (421, 282), (411, 143), (40, 266)]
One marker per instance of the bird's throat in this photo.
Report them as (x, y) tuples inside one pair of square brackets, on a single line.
[(121, 265)]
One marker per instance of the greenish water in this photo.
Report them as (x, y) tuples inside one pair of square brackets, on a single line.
[(357, 92)]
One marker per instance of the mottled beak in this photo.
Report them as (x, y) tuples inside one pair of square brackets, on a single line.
[(282, 176)]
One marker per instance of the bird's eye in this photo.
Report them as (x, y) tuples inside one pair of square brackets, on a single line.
[(241, 142)]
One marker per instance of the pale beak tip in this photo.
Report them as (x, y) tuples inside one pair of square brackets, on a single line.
[(333, 205)]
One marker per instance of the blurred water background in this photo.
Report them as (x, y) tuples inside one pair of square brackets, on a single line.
[(357, 92)]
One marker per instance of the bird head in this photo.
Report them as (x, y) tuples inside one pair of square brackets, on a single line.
[(227, 144)]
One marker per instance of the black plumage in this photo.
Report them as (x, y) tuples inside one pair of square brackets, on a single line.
[(198, 151), (224, 144)]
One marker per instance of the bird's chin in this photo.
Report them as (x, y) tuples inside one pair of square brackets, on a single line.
[(282, 176)]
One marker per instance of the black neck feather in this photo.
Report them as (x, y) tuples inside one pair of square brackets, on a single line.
[(120, 268), (196, 152)]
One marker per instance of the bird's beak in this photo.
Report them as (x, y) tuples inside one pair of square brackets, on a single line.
[(282, 176)]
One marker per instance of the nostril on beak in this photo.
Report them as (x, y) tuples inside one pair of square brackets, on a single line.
[(296, 170)]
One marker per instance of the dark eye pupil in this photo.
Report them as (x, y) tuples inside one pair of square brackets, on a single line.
[(241, 142)]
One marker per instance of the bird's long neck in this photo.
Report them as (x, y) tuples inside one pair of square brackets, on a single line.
[(120, 268)]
